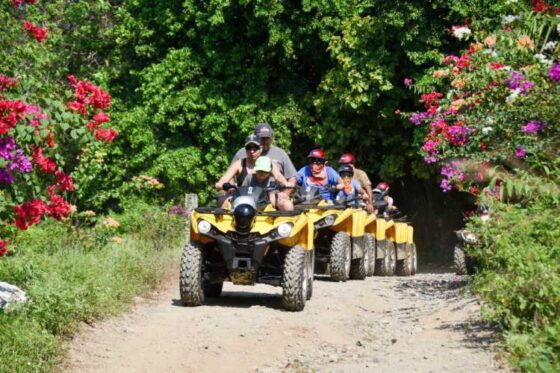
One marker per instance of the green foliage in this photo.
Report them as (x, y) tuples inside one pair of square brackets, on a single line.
[(72, 276), (520, 280)]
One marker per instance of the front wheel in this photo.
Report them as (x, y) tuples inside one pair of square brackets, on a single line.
[(460, 260), (190, 276), (414, 259), (295, 279), (341, 256)]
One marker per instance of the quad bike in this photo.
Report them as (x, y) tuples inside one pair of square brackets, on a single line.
[(465, 264), (395, 250), (333, 244), (340, 244), (249, 242)]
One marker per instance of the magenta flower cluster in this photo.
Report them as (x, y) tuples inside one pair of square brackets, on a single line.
[(517, 81), (533, 127), (451, 175), (554, 72), (13, 159)]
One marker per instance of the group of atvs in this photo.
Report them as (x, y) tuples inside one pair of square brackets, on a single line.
[(249, 242)]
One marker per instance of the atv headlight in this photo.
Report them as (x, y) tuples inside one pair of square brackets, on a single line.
[(204, 227), (330, 219), (469, 237), (285, 229)]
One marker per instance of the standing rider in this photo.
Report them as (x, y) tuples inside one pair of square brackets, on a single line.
[(317, 174), (361, 176)]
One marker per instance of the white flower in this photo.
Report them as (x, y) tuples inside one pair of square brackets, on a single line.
[(551, 45), (542, 59), (509, 19), (558, 28), (513, 96), (461, 32), (487, 130), (490, 120)]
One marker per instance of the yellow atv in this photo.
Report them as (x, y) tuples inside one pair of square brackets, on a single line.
[(339, 245), (248, 243), (395, 249)]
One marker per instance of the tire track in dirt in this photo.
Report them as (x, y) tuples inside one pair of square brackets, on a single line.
[(423, 323)]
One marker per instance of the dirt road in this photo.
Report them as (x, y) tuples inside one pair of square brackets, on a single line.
[(384, 324)]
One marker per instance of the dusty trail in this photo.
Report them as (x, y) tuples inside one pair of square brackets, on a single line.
[(384, 324)]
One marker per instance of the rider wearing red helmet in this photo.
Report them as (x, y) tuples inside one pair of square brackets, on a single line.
[(381, 193), (317, 174), (360, 175)]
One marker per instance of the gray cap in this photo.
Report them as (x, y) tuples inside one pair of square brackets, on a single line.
[(263, 130), (252, 139)]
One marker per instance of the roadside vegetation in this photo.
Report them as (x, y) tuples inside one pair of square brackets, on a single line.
[(491, 124), (76, 274)]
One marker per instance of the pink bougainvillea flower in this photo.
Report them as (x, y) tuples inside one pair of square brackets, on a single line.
[(520, 152), (407, 81), (533, 127)]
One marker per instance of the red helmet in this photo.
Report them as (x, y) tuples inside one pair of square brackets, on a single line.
[(347, 158), (317, 153), (382, 188)]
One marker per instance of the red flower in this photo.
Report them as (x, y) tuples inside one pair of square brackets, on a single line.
[(46, 164), (101, 117), (7, 82), (29, 213), (106, 134), (58, 208), (540, 6), (77, 107), (474, 189), (50, 140), (3, 248), (40, 33), (64, 181), (496, 65), (431, 99)]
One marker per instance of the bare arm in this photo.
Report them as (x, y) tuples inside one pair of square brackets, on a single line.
[(231, 172), (278, 176)]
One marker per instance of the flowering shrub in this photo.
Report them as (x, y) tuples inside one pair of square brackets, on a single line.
[(499, 102), (37, 144)]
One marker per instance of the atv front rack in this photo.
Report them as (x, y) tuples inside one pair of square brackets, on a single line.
[(221, 211), (308, 206)]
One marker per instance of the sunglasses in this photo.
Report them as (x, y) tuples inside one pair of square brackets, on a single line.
[(252, 148), (346, 164), (317, 160)]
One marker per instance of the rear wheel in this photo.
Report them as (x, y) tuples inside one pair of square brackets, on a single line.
[(383, 261), (341, 256), (190, 276), (358, 269), (370, 247), (405, 266), (295, 279)]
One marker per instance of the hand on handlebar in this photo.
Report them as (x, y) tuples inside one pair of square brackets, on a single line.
[(228, 186)]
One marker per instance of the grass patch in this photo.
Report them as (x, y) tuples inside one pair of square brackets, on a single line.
[(81, 275)]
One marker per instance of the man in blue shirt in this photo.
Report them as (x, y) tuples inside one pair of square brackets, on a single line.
[(318, 175)]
